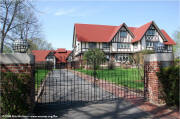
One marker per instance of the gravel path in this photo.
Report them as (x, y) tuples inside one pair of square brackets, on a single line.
[(68, 96)]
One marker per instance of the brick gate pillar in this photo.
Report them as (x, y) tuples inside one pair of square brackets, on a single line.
[(152, 65), (20, 63)]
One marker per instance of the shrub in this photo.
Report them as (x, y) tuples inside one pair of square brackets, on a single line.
[(14, 97), (138, 58), (147, 52), (169, 79)]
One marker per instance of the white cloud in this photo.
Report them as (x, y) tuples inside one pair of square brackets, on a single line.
[(64, 12)]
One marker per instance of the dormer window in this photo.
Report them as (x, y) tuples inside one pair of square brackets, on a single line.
[(123, 34)]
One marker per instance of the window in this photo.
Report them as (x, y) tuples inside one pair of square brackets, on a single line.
[(149, 44), (92, 45), (136, 45), (168, 47), (123, 34), (123, 45), (122, 57), (119, 45), (106, 45), (151, 32)]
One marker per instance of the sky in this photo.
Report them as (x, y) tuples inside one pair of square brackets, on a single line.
[(58, 17)]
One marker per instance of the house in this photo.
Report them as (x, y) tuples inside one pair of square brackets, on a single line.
[(44, 56), (57, 57), (61, 55), (119, 42)]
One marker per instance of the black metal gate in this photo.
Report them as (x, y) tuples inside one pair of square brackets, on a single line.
[(86, 84)]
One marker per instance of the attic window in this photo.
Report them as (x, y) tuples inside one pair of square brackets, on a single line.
[(123, 34), (151, 32)]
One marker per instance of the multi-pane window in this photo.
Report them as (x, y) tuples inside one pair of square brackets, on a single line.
[(92, 45), (149, 44), (168, 47), (123, 45), (151, 32), (123, 34), (122, 57), (106, 45)]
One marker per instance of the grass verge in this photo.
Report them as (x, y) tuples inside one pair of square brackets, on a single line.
[(130, 78), (40, 76)]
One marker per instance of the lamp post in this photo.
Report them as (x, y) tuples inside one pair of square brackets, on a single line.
[(20, 46)]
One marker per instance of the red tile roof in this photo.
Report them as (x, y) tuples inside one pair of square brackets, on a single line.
[(61, 54), (61, 57), (105, 33), (139, 32), (95, 33), (132, 29), (40, 55), (170, 40), (61, 50)]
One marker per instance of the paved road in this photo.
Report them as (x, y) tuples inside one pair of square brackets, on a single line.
[(68, 96)]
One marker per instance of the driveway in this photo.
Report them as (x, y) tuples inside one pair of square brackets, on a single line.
[(67, 96)]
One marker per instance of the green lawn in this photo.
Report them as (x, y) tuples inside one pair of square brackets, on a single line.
[(127, 77), (40, 76)]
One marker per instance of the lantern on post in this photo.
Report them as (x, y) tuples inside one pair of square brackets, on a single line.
[(20, 46)]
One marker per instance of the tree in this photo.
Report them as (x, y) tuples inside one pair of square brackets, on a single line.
[(176, 48), (94, 57), (17, 21), (39, 44)]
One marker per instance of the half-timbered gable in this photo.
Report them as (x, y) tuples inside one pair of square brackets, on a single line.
[(122, 41), (123, 35), (153, 39)]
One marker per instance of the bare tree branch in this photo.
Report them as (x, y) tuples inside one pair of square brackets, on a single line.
[(17, 21)]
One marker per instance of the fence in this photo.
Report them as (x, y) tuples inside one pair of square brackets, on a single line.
[(89, 83)]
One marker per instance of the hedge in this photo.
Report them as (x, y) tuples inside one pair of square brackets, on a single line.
[(169, 79), (15, 92)]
